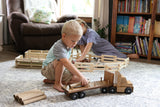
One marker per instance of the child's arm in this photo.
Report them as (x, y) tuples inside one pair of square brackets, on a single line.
[(85, 51), (73, 70), (82, 48)]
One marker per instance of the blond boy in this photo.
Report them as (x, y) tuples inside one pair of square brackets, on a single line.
[(53, 67)]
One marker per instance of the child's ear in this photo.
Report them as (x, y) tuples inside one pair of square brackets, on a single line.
[(82, 24), (63, 35)]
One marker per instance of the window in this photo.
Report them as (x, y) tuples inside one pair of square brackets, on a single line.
[(83, 8)]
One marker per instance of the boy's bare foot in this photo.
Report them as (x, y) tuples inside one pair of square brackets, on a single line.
[(47, 81), (133, 56), (58, 87)]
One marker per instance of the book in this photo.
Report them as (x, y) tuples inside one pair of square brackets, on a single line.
[(157, 47), (123, 43), (156, 27), (145, 47), (148, 26), (137, 25), (119, 23), (143, 26), (138, 45), (125, 23), (146, 42), (131, 24), (124, 47), (142, 46), (154, 49)]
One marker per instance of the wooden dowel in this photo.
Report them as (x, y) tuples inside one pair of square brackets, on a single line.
[(29, 94)]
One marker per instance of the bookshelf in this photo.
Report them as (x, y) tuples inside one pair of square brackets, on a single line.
[(151, 14)]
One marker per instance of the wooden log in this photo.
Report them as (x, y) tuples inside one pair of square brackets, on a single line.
[(34, 99), (29, 94)]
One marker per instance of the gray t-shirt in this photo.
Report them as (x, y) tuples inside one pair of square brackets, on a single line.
[(57, 51), (100, 46)]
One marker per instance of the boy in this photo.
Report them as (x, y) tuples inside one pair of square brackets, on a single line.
[(58, 55), (92, 41)]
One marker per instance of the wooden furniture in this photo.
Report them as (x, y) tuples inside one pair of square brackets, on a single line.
[(151, 35)]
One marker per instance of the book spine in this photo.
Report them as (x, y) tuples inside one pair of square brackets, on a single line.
[(138, 45), (145, 47), (131, 24)]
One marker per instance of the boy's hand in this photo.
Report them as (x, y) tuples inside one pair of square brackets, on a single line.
[(73, 61), (84, 81), (78, 60)]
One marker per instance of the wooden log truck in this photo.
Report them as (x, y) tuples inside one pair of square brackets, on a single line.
[(121, 85)]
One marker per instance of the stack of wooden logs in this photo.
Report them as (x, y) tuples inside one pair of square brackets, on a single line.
[(29, 96)]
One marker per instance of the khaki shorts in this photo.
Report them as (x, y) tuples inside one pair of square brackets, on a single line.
[(49, 72)]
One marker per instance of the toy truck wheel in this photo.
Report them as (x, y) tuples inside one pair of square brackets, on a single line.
[(128, 90), (73, 96), (104, 90), (81, 94), (112, 90)]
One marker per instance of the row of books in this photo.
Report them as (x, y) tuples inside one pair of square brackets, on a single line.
[(141, 46), (124, 47), (133, 24), (156, 48), (144, 6), (158, 6)]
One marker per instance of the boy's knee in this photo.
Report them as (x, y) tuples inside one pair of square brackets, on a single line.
[(76, 78)]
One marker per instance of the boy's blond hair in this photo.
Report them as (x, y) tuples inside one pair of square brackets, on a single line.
[(72, 27)]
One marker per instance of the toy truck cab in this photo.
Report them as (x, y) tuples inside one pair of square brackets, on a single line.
[(122, 84)]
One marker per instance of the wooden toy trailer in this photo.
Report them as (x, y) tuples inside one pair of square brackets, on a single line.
[(103, 62), (109, 66), (75, 91), (31, 58)]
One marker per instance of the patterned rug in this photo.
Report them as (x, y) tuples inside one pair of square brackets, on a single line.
[(144, 76)]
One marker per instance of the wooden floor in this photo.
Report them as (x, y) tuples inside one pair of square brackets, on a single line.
[(8, 53)]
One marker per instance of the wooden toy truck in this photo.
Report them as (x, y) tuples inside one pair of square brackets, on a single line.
[(75, 91)]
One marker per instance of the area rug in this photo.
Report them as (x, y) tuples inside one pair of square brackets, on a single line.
[(144, 76)]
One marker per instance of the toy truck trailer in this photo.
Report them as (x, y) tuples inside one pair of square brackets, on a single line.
[(75, 91)]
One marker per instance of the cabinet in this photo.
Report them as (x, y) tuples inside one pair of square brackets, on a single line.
[(151, 14)]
